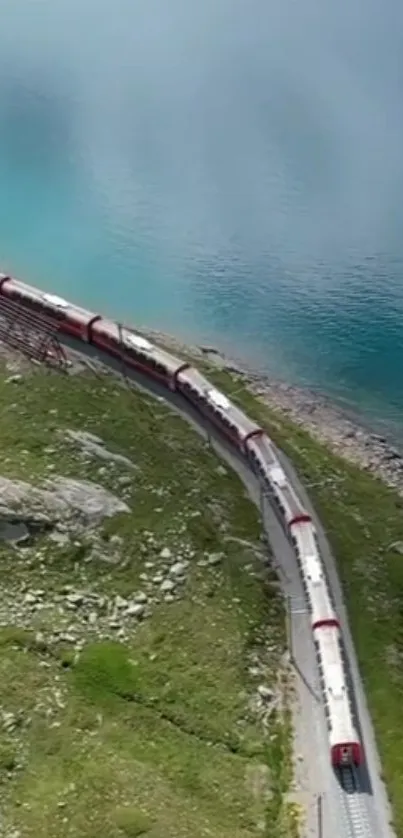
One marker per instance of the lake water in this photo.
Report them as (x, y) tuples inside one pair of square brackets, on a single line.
[(231, 171)]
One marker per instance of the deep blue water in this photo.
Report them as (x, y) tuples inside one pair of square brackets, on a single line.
[(230, 170)]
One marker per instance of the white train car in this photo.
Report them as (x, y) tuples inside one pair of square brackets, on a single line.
[(70, 319), (137, 351), (262, 454), (287, 500), (345, 746), (315, 585), (226, 415)]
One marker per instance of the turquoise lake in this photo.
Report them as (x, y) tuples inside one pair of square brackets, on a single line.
[(230, 171)]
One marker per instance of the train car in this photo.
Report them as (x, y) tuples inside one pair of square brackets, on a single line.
[(69, 319), (286, 499), (225, 415), (345, 746), (317, 592), (261, 454), (137, 352)]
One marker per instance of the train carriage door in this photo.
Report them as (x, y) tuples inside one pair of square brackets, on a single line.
[(346, 755)]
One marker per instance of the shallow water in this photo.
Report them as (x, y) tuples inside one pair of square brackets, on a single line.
[(229, 170)]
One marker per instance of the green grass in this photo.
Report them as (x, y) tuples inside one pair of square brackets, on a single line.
[(150, 734), (363, 519)]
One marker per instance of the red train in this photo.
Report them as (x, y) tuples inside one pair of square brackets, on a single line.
[(152, 361)]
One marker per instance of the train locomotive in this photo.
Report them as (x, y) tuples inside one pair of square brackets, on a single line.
[(252, 442)]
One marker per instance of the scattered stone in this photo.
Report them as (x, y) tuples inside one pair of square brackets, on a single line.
[(167, 586), (221, 471), (114, 624), (14, 379), (214, 559), (75, 599), (9, 721), (29, 598), (165, 553), (120, 602), (254, 672), (397, 546), (60, 538), (265, 692), (136, 609), (178, 569)]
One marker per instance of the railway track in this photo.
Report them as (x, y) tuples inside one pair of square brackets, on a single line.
[(353, 805)]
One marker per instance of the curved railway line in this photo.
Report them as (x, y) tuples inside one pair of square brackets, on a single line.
[(333, 722)]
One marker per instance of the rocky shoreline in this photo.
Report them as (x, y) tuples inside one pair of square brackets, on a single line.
[(344, 435)]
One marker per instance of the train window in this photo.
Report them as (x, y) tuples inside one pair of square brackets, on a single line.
[(58, 314)]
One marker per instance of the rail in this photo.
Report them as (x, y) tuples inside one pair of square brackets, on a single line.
[(353, 806)]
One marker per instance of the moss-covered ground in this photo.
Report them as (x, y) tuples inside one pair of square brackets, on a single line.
[(152, 726)]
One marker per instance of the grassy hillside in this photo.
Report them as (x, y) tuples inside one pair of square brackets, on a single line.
[(364, 524), (141, 646)]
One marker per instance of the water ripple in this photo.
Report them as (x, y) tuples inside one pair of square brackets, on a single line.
[(230, 170)]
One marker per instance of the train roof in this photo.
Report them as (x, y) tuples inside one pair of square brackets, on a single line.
[(289, 497), (314, 572), (315, 583), (138, 342), (335, 681), (132, 340), (277, 475), (33, 293), (219, 400), (336, 695), (265, 448)]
